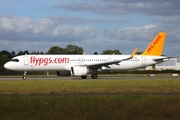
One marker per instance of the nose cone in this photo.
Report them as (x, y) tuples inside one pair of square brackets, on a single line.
[(7, 66)]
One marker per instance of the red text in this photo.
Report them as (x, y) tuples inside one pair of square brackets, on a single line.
[(154, 43), (46, 61)]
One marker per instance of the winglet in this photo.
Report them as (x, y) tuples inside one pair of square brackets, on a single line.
[(156, 46), (84, 53), (133, 53)]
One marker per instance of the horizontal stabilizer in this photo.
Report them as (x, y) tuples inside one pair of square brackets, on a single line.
[(162, 59)]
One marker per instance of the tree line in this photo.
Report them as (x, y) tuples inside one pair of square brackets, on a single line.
[(73, 49)]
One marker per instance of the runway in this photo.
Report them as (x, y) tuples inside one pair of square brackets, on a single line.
[(100, 77)]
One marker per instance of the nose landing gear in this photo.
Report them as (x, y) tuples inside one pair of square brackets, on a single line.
[(24, 75)]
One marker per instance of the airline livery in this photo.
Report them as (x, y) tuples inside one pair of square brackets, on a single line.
[(81, 65)]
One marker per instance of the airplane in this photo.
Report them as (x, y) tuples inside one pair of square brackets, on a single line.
[(81, 65)]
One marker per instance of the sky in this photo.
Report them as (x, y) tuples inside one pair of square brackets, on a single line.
[(94, 25)]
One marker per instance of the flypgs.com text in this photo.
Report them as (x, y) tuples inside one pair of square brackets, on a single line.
[(154, 43), (45, 61)]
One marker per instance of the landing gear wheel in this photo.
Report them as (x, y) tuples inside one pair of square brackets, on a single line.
[(94, 76), (24, 77), (83, 77)]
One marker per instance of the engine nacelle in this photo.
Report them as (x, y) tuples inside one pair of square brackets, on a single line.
[(79, 70)]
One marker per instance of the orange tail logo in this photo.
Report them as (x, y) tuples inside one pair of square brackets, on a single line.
[(156, 46)]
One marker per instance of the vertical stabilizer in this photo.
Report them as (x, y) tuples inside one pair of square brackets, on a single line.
[(156, 46)]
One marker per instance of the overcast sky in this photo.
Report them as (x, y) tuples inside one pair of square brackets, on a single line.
[(94, 25)]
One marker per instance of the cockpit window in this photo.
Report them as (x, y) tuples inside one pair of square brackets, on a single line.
[(15, 60)]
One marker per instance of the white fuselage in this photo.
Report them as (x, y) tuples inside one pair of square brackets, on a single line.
[(65, 62)]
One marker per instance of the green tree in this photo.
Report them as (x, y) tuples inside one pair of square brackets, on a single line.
[(56, 50), (23, 52), (138, 53), (117, 52), (4, 52), (20, 52), (13, 53), (36, 53), (95, 53), (73, 49), (4, 57)]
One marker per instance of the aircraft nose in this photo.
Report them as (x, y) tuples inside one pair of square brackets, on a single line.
[(7, 65)]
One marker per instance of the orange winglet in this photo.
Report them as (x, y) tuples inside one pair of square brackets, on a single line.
[(134, 53)]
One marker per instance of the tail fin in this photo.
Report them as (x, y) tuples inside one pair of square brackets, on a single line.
[(156, 46)]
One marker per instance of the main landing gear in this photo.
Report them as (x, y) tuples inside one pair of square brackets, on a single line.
[(94, 76), (24, 75)]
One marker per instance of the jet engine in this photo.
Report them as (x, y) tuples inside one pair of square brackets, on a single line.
[(79, 70)]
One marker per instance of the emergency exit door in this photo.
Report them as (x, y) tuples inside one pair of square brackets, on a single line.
[(143, 60), (26, 60)]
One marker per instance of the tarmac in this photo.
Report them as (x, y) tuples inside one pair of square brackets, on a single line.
[(100, 77)]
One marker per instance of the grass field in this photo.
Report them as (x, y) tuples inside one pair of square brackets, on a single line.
[(88, 86), (90, 99)]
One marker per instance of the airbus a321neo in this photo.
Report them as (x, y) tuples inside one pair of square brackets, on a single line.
[(81, 65)]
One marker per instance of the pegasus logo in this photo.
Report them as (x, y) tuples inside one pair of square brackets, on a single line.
[(154, 43)]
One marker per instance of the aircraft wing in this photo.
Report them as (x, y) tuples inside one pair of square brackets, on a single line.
[(106, 63)]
